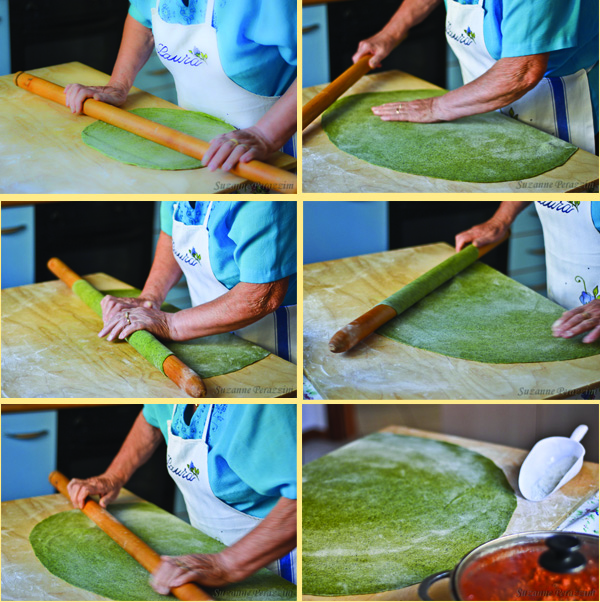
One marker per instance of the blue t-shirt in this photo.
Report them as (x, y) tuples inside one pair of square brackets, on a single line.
[(249, 241), (568, 30), (256, 38), (251, 450)]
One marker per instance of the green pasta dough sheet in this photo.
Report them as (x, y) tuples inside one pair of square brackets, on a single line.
[(484, 316), (386, 511), (74, 549), (126, 147), (208, 356), (483, 148)]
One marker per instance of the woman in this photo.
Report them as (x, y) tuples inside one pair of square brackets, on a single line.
[(572, 241), (536, 62), (239, 260), (235, 59), (235, 466)]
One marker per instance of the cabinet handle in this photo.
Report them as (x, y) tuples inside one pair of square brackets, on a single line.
[(310, 28), (539, 251), (26, 436), (13, 230)]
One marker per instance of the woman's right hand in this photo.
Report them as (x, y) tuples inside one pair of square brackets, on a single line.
[(483, 234), (379, 45), (76, 94), (105, 485)]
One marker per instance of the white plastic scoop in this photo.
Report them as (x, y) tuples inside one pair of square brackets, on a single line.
[(551, 463)]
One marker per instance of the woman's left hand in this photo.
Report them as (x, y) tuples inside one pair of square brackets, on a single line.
[(239, 146), (205, 569), (579, 320), (125, 322), (417, 111)]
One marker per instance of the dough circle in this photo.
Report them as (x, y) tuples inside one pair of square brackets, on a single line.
[(386, 511), (484, 316), (133, 149), (73, 548), (482, 148)]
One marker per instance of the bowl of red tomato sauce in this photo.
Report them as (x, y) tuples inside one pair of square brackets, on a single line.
[(541, 565)]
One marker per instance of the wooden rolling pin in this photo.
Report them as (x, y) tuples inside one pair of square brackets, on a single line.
[(326, 97), (183, 376), (277, 179), (363, 326), (130, 542)]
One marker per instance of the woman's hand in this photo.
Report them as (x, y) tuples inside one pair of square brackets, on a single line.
[(206, 569), (483, 234), (579, 320), (107, 486), (76, 94), (417, 111), (240, 146), (380, 45), (128, 320), (113, 305)]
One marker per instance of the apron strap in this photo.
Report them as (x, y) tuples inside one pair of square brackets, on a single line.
[(210, 9), (206, 424), (205, 224)]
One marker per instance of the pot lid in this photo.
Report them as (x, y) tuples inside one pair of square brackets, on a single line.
[(531, 566)]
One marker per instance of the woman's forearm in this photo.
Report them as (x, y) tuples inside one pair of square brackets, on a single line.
[(274, 537), (136, 46), (410, 13), (138, 447), (243, 305), (165, 272), (278, 124), (505, 82)]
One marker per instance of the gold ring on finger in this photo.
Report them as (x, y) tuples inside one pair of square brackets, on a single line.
[(398, 109), (127, 317), (233, 141), (245, 146), (585, 315)]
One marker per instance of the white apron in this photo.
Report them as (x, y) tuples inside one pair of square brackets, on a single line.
[(560, 106), (275, 332), (191, 54), (572, 251), (207, 512)]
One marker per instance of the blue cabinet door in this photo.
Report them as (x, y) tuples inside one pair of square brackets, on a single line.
[(28, 454), (17, 246)]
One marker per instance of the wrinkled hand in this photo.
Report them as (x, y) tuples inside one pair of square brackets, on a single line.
[(579, 320), (380, 45), (76, 94), (206, 569), (239, 146), (418, 111), (482, 234), (113, 305), (106, 486), (127, 321)]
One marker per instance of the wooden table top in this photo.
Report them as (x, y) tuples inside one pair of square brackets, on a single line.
[(42, 151), (337, 292), (325, 168), (50, 348), (529, 516)]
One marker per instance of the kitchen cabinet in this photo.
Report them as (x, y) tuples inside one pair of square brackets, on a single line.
[(28, 453), (4, 38), (18, 246), (526, 254), (315, 46), (336, 229)]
